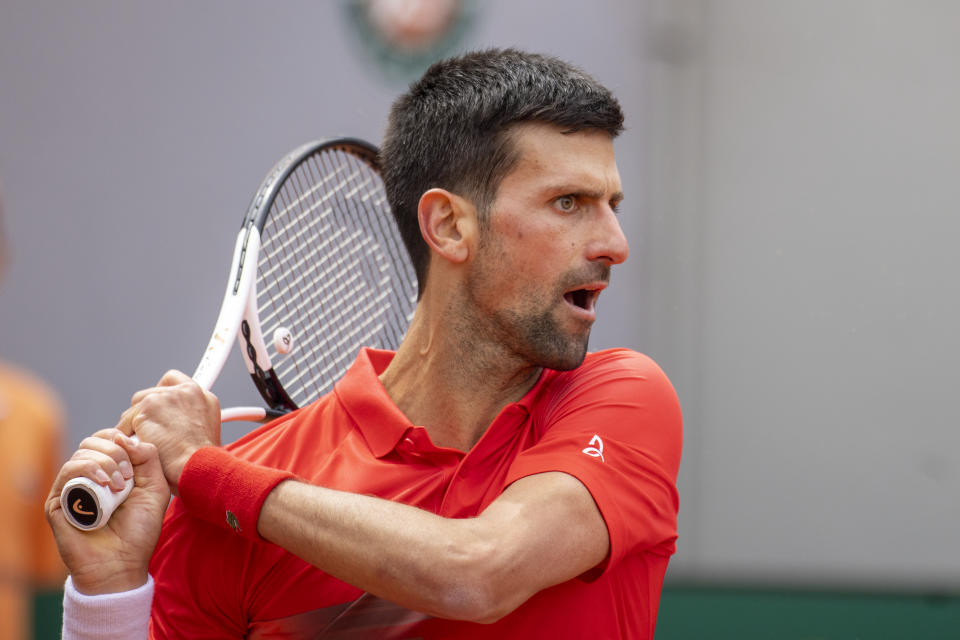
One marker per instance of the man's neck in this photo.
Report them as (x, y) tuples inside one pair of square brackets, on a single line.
[(452, 383)]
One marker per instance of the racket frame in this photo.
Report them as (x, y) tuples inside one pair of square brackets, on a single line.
[(250, 335), (237, 320)]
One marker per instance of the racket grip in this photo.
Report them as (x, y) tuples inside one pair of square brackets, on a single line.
[(89, 505)]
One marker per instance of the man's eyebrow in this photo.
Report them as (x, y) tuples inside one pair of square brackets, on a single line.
[(593, 194)]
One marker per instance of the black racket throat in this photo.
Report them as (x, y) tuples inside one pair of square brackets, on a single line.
[(269, 387), (266, 381)]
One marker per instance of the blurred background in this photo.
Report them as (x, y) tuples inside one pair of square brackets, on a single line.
[(792, 172)]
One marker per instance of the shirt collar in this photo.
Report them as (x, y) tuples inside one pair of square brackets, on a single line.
[(363, 396), (379, 420)]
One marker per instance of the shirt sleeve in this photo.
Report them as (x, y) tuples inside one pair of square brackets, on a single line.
[(615, 424)]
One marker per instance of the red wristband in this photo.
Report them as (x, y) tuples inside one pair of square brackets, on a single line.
[(225, 490)]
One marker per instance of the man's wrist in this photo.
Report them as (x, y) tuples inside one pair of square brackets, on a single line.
[(175, 472), (104, 581), (225, 490)]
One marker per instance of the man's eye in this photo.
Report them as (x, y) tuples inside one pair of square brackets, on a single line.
[(567, 203)]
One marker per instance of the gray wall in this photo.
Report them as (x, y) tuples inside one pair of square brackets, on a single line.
[(803, 162), (790, 204), (132, 136)]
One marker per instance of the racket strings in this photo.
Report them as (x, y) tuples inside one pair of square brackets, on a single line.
[(385, 252), (398, 266), (302, 270), (335, 355), (373, 300), (332, 271)]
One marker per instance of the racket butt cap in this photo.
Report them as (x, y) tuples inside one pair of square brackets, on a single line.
[(88, 505)]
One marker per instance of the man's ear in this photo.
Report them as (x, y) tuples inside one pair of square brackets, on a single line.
[(448, 224)]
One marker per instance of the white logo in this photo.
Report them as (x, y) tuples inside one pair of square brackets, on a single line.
[(596, 451)]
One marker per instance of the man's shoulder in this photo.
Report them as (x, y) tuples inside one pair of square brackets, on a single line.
[(616, 377), (620, 357), (614, 364)]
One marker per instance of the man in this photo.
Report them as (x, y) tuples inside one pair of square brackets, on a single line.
[(490, 479)]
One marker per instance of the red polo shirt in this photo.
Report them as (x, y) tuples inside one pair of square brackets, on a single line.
[(614, 423)]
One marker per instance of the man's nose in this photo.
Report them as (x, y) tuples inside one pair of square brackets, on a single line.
[(609, 244)]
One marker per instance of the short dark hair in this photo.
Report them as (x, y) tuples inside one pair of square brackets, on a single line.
[(451, 129)]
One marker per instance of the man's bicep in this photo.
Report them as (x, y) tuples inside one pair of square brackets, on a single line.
[(551, 529)]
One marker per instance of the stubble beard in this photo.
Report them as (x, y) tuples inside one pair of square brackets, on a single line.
[(533, 334), (542, 343)]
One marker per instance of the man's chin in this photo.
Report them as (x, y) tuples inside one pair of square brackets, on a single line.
[(568, 356), (569, 364), (549, 346)]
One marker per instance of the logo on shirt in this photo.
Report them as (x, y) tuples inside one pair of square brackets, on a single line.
[(596, 448), (232, 521)]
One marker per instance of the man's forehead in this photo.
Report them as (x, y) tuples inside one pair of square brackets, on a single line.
[(585, 159), (532, 131)]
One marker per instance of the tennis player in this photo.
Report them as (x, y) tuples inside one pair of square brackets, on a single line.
[(490, 479)]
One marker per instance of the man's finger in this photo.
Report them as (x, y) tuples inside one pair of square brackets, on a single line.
[(140, 395), (172, 378), (139, 452), (103, 467)]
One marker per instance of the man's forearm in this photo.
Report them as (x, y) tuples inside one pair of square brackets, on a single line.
[(439, 566), (543, 530)]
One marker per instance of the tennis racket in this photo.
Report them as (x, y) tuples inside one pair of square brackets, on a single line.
[(318, 271)]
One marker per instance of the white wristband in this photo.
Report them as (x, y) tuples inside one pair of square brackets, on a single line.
[(123, 615)]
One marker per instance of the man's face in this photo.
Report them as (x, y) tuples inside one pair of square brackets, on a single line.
[(546, 252)]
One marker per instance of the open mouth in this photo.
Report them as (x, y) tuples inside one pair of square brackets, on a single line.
[(582, 298)]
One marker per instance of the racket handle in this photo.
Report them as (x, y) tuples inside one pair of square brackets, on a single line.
[(89, 505)]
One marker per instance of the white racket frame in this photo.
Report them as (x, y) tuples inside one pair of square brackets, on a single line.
[(239, 305)]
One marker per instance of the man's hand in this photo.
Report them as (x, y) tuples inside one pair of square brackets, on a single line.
[(178, 417), (115, 557)]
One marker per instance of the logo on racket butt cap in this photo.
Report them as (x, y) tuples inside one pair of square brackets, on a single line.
[(282, 340), (83, 509)]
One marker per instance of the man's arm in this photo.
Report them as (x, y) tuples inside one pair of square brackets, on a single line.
[(543, 530)]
